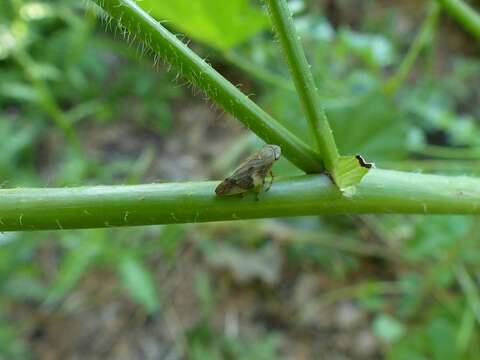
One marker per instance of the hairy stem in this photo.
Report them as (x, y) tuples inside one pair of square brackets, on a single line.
[(135, 23), (381, 191), (303, 80)]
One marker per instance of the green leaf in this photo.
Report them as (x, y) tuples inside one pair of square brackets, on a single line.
[(73, 267), (441, 334), (19, 91), (171, 238), (375, 50), (370, 124), (13, 345), (435, 236), (388, 328), (16, 138), (349, 171), (138, 280), (466, 330), (217, 23), (364, 122), (204, 292)]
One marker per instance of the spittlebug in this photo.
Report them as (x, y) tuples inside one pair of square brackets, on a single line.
[(251, 174)]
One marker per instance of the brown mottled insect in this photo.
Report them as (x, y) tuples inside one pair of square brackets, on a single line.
[(251, 174)]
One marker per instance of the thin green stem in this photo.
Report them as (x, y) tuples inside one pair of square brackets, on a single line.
[(470, 167), (464, 14), (285, 234), (444, 152), (469, 288), (381, 191), (135, 23), (47, 100), (224, 162), (329, 240), (422, 39), (303, 80), (262, 74), (358, 290)]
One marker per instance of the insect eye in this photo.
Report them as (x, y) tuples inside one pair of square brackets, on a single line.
[(277, 151)]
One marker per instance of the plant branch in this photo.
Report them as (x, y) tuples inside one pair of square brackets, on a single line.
[(263, 74), (47, 101), (446, 152), (443, 166), (381, 191), (303, 80), (470, 289), (135, 23), (464, 14), (421, 40)]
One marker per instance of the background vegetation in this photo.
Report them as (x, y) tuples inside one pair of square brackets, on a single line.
[(79, 105)]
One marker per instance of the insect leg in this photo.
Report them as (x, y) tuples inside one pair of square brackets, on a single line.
[(271, 180), (259, 189)]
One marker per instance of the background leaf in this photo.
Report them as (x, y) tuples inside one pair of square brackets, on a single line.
[(138, 281), (217, 23)]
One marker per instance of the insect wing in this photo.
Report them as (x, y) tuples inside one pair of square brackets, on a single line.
[(240, 182), (230, 186), (256, 163), (250, 174), (254, 170)]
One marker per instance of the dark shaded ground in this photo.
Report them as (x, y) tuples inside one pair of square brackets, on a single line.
[(252, 298)]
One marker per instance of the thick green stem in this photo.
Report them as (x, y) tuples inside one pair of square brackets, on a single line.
[(303, 80), (135, 23), (381, 191), (421, 40), (464, 14)]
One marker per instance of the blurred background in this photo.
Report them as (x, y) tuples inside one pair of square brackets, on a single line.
[(80, 104)]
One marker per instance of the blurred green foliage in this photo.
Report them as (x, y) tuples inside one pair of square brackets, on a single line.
[(351, 69), (217, 23), (417, 276)]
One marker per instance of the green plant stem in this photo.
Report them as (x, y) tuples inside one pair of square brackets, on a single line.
[(303, 80), (445, 152), (262, 74), (464, 14), (469, 167), (226, 161), (328, 240), (381, 191), (47, 100), (358, 290), (421, 40), (135, 23), (469, 288)]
